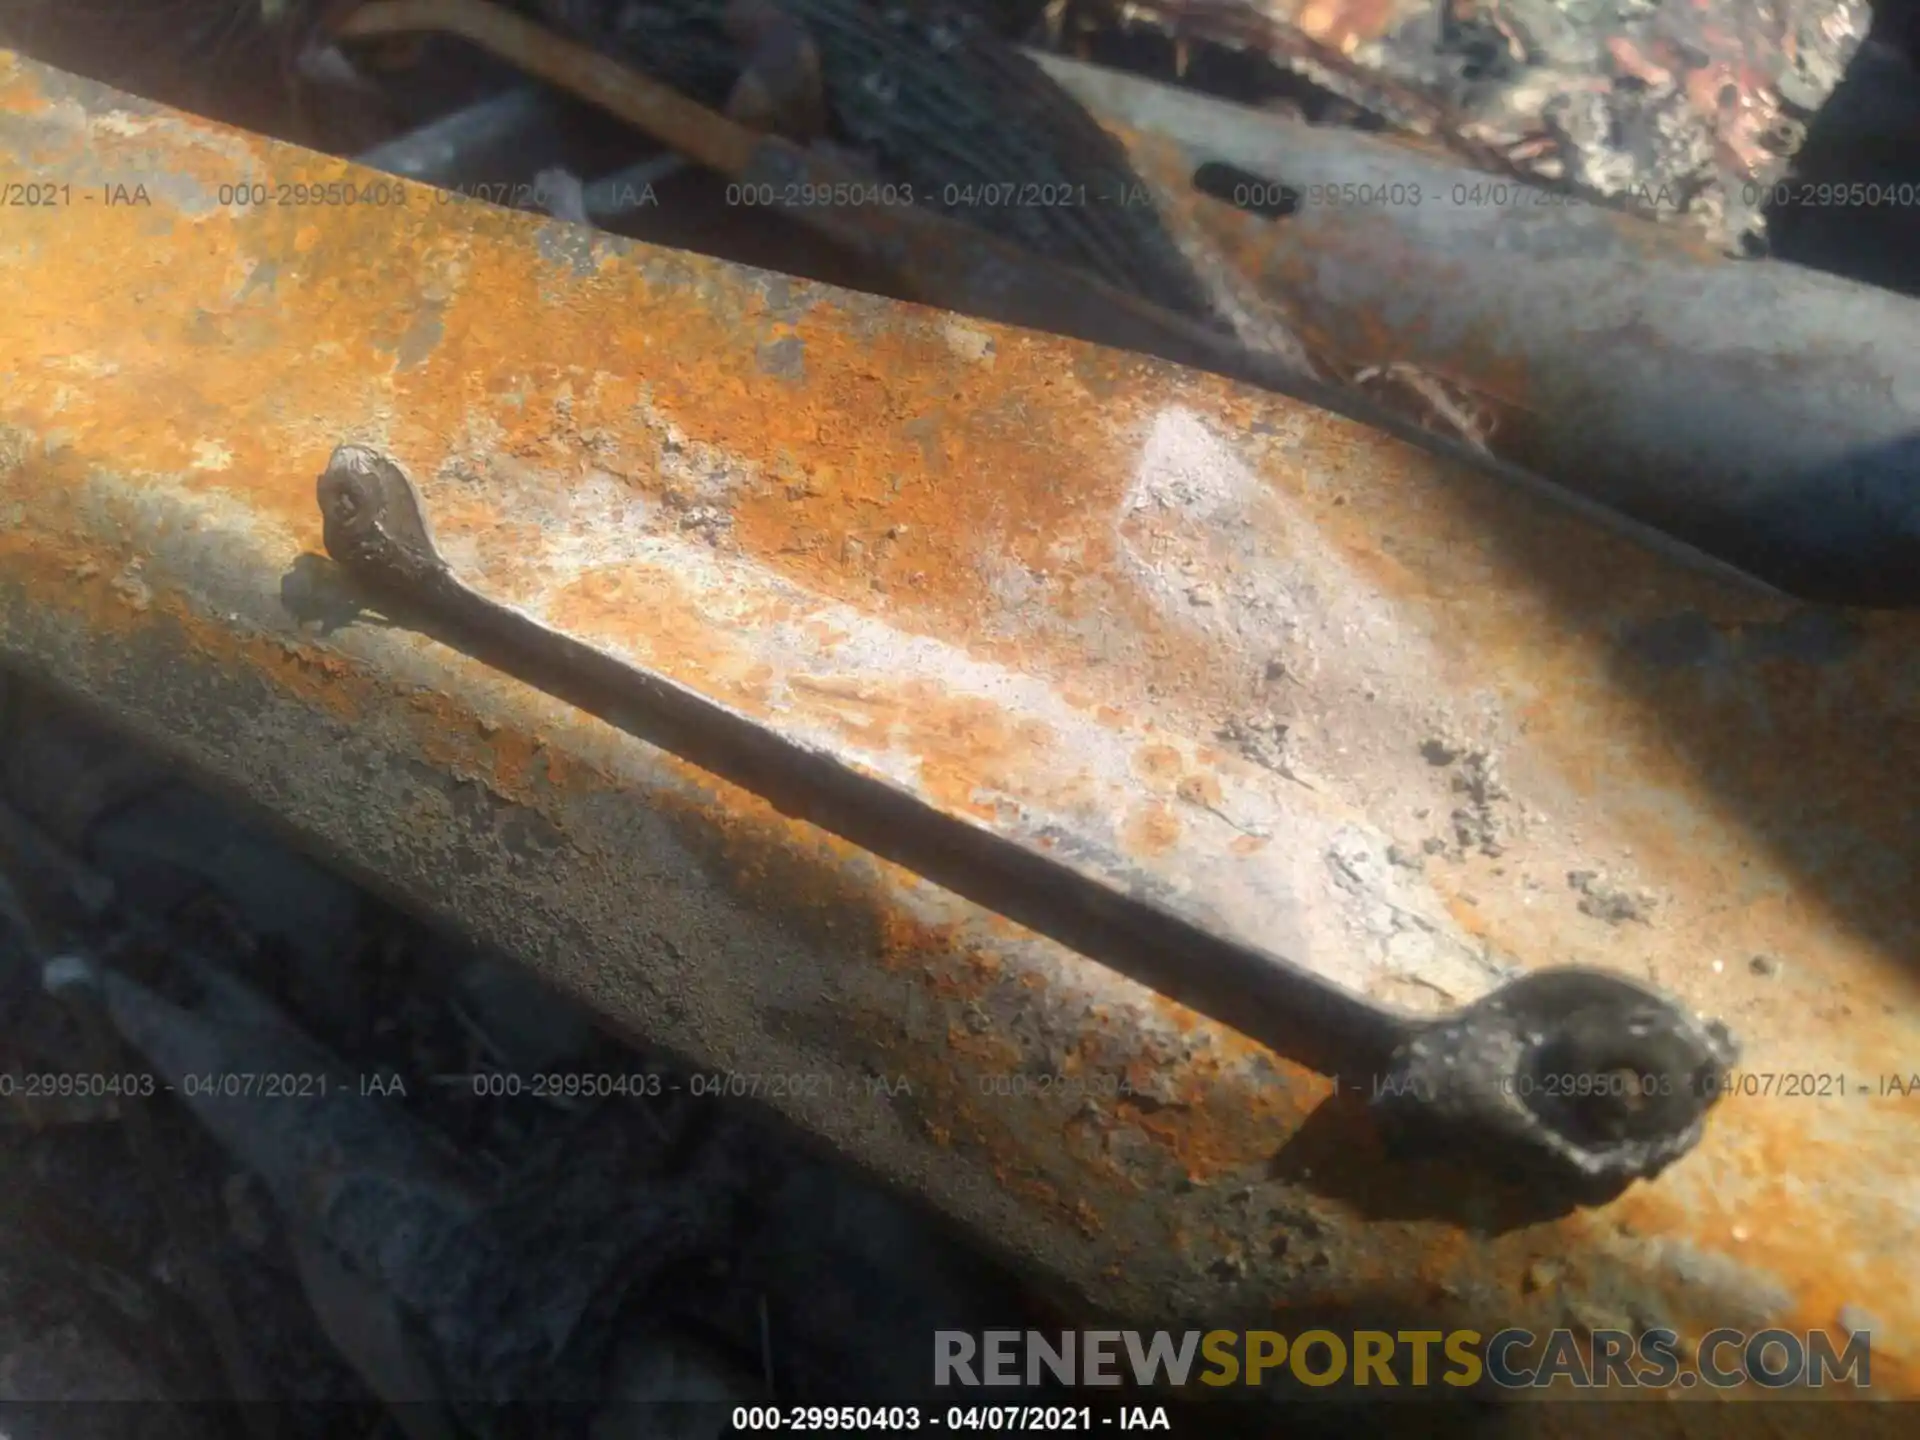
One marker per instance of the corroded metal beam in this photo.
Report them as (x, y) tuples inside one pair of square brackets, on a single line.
[(1759, 410), (1407, 723)]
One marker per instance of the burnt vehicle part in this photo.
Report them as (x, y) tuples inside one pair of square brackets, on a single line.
[(1759, 411), (928, 255), (933, 104), (1816, 498), (1409, 722), (1414, 379), (78, 985), (1481, 1077), (409, 1212), (911, 251), (1689, 114)]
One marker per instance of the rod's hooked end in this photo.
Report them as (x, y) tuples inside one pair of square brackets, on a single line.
[(372, 520), (1578, 1075)]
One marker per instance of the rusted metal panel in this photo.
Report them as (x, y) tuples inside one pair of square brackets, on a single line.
[(1762, 411), (1406, 719)]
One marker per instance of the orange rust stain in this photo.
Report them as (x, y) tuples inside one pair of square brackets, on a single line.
[(1383, 571), (966, 744), (1200, 789), (1157, 763), (903, 943), (1152, 830), (1086, 1219), (936, 471), (321, 681), (1032, 1189), (827, 637), (1343, 23), (1211, 1110), (1466, 913), (963, 744), (19, 93), (872, 450), (513, 758), (989, 1051), (648, 613), (1764, 1140), (1443, 1255)]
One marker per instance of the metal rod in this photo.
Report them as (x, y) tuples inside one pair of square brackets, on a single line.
[(447, 150), (944, 262)]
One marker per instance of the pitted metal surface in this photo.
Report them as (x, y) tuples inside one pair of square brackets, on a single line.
[(1431, 726)]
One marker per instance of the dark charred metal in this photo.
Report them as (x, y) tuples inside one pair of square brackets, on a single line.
[(1604, 1079), (935, 257), (1687, 113), (934, 102), (1583, 1075)]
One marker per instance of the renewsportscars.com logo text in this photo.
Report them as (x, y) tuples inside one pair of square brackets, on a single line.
[(1509, 1359)]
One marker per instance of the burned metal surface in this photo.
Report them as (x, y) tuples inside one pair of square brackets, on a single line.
[(1476, 1079), (940, 109), (1687, 112), (1415, 725), (1759, 410), (937, 259)]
